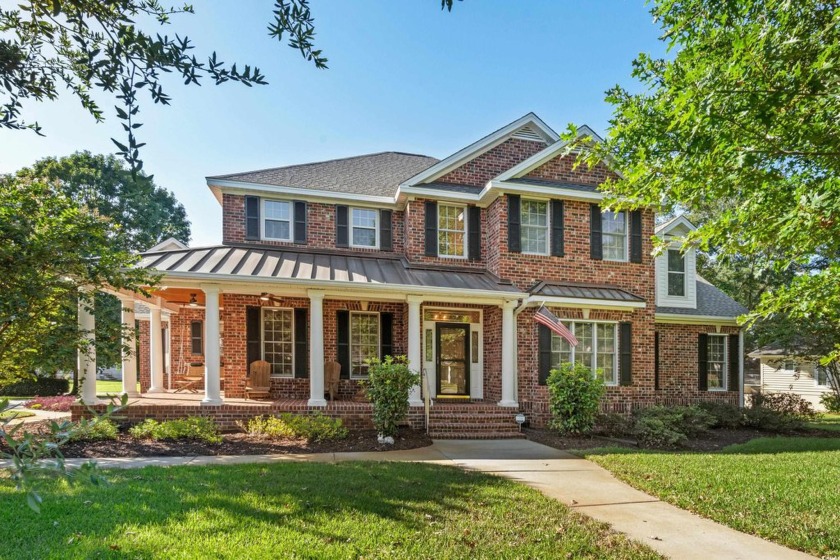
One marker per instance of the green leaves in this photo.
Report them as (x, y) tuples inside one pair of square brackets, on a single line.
[(387, 386)]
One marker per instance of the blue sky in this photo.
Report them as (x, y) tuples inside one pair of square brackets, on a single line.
[(403, 76)]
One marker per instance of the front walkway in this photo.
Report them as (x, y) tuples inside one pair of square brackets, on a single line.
[(580, 484)]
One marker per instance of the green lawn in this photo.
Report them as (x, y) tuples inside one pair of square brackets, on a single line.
[(16, 413), (829, 422), (782, 489), (113, 387), (302, 510)]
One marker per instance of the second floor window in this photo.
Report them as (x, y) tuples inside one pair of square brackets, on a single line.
[(676, 273), (614, 235), (534, 227), (365, 227), (277, 220), (452, 231)]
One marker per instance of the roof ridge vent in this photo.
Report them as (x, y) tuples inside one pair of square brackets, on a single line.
[(528, 132)]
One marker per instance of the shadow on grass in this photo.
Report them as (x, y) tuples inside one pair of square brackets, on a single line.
[(758, 446)]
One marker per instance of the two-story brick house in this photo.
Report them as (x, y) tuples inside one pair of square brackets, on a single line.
[(445, 261)]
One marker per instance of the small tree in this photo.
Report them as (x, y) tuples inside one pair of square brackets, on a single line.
[(388, 384), (574, 394)]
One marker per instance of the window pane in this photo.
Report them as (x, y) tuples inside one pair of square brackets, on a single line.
[(606, 352), (278, 340), (614, 247), (614, 235), (364, 237), (450, 217), (676, 261), (277, 230), (613, 222), (364, 341), (584, 349), (717, 362), (534, 226), (364, 217), (275, 210), (676, 284), (451, 243), (534, 239), (561, 350)]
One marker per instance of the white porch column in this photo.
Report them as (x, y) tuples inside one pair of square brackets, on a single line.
[(508, 354), (87, 356), (212, 373), (155, 351), (316, 348), (129, 351), (415, 354)]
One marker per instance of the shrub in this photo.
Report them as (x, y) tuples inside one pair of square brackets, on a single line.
[(786, 404), (55, 404), (668, 426), (831, 401), (193, 427), (763, 418), (94, 430), (44, 386), (612, 424), (725, 415), (314, 427), (652, 431), (387, 386), (574, 394)]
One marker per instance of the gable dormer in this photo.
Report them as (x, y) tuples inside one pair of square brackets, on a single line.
[(676, 271)]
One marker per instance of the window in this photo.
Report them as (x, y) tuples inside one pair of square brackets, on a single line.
[(278, 340), (789, 365), (364, 341), (676, 273), (197, 337), (277, 220), (614, 235), (717, 363), (534, 227), (365, 229), (452, 231), (597, 349), (822, 376)]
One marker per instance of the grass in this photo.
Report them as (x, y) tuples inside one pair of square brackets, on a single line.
[(830, 422), (782, 489), (104, 387), (12, 414), (302, 510)]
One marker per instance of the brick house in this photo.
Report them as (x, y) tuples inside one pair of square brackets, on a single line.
[(445, 261)]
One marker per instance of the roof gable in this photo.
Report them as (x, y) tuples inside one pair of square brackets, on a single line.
[(678, 226)]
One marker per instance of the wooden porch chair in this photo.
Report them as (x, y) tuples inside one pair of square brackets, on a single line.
[(259, 380), (192, 379), (332, 373)]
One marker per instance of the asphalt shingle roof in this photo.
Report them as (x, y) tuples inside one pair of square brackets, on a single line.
[(374, 174), (711, 302)]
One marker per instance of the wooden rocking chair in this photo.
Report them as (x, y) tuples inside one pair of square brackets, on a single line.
[(259, 380)]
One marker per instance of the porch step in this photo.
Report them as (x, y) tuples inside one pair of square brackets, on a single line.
[(472, 421)]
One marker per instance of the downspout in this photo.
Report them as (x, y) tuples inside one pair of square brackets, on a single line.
[(741, 368)]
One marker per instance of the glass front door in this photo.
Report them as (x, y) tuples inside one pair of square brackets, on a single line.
[(453, 359)]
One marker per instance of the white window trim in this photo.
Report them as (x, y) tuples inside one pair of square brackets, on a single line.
[(350, 341), (725, 369), (375, 228), (262, 340), (547, 203), (817, 383), (669, 272), (626, 237), (573, 322), (263, 219), (463, 207)]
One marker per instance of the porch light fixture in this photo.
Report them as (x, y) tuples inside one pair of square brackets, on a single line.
[(265, 296), (193, 301)]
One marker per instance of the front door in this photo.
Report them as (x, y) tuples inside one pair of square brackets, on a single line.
[(453, 359)]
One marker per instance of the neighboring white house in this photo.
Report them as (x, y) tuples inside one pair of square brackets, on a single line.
[(781, 373)]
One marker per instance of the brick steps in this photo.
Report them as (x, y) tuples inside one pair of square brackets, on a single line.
[(472, 421)]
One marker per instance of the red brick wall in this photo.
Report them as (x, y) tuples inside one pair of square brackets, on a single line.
[(678, 368), (144, 372), (320, 226), (491, 163), (562, 169)]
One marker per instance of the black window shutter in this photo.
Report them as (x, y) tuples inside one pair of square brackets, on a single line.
[(386, 237), (596, 248), (557, 228), (386, 334), (703, 362), (342, 230), (625, 347), (636, 236), (300, 222), (514, 221), (197, 332), (544, 335), (431, 229), (301, 344), (252, 218), (343, 338), (252, 336), (656, 361), (734, 361), (474, 232)]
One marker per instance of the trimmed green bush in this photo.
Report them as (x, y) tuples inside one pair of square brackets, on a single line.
[(831, 402), (192, 427), (387, 386), (315, 427), (574, 394), (41, 386), (670, 426), (786, 404), (726, 415), (613, 424), (95, 430), (763, 418)]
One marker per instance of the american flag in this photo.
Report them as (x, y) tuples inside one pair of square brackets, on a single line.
[(550, 320)]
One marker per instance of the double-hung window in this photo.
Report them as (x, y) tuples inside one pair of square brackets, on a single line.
[(676, 273), (452, 231), (277, 220), (365, 228), (364, 341), (717, 362), (534, 227), (822, 376), (614, 235), (278, 340), (597, 349)]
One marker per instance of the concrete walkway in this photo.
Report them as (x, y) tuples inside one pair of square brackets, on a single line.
[(578, 483)]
